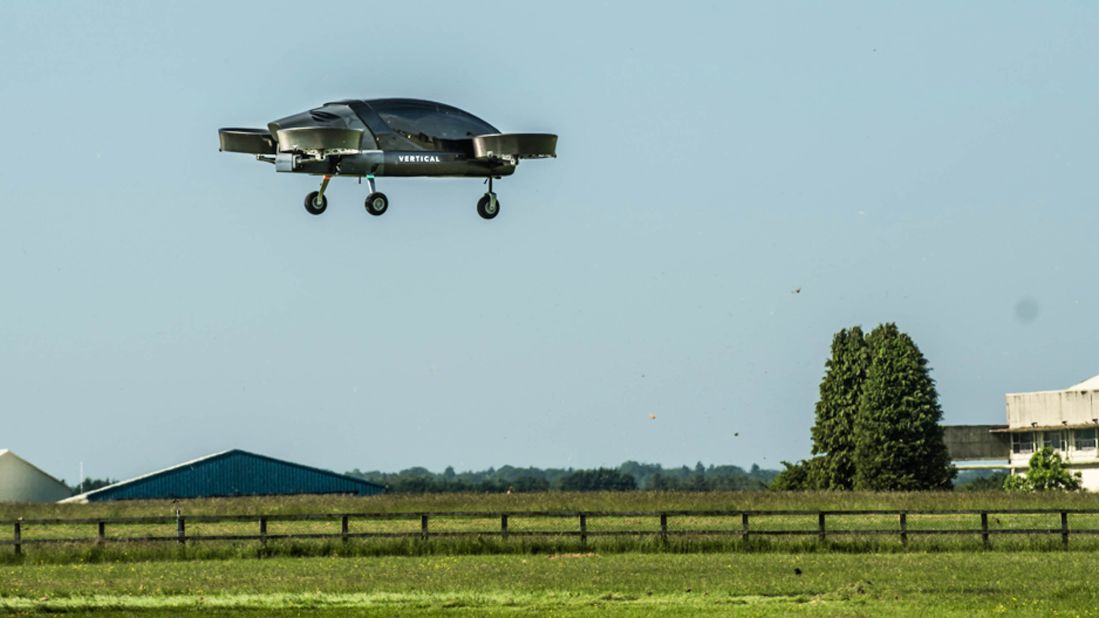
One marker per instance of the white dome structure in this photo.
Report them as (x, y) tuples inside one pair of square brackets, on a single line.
[(1091, 384), (21, 481)]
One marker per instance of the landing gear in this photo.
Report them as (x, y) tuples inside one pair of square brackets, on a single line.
[(376, 203), (488, 206), (316, 202)]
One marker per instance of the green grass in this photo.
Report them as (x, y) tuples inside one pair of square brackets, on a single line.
[(569, 502), (560, 501), (844, 576), (902, 584)]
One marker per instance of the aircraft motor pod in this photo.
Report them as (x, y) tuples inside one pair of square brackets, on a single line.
[(371, 138), (516, 145), (248, 141), (319, 142)]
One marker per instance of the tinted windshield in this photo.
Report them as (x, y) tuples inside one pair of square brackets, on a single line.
[(426, 123)]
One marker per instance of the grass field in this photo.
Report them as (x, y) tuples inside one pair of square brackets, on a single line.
[(909, 584), (566, 502), (932, 576), (592, 501)]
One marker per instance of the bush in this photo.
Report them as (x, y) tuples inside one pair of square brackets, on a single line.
[(1047, 472), (804, 475)]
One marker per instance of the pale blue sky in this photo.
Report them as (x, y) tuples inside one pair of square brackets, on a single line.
[(926, 163)]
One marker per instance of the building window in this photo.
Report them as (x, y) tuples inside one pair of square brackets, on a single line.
[(1085, 439), (1022, 442), (1054, 440)]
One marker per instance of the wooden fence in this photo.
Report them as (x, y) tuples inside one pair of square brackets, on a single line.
[(662, 525)]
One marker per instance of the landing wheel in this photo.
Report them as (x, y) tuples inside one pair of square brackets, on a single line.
[(377, 204), (488, 206), (315, 203)]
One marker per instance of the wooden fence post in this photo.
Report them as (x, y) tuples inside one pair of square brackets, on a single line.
[(984, 529), (101, 530), (904, 528), (664, 529), (744, 526), (263, 529), (181, 530), (504, 526), (820, 526), (423, 526), (343, 528), (1064, 529), (18, 534), (583, 529)]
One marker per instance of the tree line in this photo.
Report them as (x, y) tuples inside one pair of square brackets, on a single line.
[(90, 484), (629, 476)]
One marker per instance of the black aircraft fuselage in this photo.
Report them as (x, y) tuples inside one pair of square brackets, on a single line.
[(388, 137), (402, 137)]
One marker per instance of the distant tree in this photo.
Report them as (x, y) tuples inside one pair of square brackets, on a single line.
[(659, 482), (799, 476), (601, 479), (898, 438), (696, 482), (527, 484), (1046, 472), (727, 478), (413, 485), (641, 472), (493, 486), (91, 484), (683, 478), (833, 432)]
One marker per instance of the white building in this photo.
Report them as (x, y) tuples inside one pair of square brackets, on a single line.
[(1065, 420), (20, 481)]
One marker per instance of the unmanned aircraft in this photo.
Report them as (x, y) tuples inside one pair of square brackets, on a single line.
[(389, 137)]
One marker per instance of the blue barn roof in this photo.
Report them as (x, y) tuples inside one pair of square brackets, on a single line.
[(232, 473)]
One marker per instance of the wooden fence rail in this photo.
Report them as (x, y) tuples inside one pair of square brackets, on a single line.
[(663, 525)]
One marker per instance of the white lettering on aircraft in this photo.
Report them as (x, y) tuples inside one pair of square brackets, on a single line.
[(418, 158)]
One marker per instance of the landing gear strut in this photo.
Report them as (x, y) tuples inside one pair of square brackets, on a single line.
[(376, 202), (316, 202), (488, 206)]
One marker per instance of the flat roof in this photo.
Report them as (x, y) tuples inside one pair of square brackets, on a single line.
[(1056, 427)]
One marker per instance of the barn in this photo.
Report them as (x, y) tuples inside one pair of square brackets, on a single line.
[(21, 481), (231, 473)]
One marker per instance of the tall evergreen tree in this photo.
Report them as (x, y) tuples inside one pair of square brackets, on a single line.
[(898, 438), (834, 430)]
